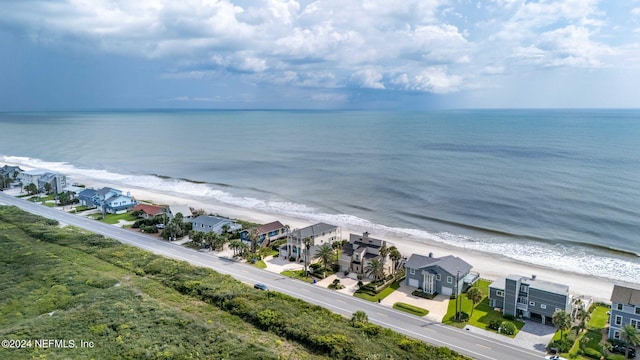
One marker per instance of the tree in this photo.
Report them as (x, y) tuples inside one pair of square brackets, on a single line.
[(197, 237), (375, 268), (235, 245), (32, 189), (475, 295), (337, 247), (631, 337), (47, 188), (395, 256), (325, 254), (562, 320), (584, 316), (254, 237), (307, 245)]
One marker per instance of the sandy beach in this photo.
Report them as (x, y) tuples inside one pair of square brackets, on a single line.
[(490, 266)]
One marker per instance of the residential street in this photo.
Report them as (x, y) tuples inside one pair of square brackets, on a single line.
[(469, 343)]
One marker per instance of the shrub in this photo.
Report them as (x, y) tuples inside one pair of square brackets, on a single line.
[(463, 316), (346, 272), (149, 229), (509, 317), (292, 258), (494, 325), (561, 346), (507, 327)]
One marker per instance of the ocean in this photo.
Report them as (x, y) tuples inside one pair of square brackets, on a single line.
[(555, 188)]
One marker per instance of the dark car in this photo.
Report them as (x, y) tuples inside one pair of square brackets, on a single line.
[(621, 349), (260, 287)]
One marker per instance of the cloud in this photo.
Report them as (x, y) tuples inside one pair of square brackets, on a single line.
[(433, 46)]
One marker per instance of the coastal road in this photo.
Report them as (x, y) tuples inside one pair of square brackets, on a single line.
[(470, 344)]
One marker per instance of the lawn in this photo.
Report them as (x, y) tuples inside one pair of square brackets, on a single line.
[(114, 218), (408, 308), (297, 274), (482, 315), (370, 296)]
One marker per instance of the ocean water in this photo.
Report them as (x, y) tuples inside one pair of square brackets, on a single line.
[(557, 188)]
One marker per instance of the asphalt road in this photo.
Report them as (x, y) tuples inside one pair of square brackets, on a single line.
[(470, 344)]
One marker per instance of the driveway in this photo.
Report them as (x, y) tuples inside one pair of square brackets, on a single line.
[(437, 306)]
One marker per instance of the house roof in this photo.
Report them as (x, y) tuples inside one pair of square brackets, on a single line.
[(105, 190), (625, 295), (87, 193), (149, 209), (315, 229), (8, 170), (211, 220), (35, 172), (449, 263), (266, 228), (537, 284)]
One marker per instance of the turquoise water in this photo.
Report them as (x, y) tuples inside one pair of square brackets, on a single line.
[(558, 188)]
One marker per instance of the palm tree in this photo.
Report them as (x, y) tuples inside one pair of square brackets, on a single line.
[(47, 188), (375, 268), (235, 246), (475, 295), (325, 254), (584, 316), (384, 252), (254, 237), (32, 189), (395, 256), (631, 337), (562, 320), (337, 247), (307, 246)]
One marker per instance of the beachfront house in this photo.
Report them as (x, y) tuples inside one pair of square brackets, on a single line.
[(210, 223), (360, 250), (179, 209), (317, 234), (529, 298), (108, 200), (9, 175), (57, 182), (266, 233), (148, 211), (446, 275), (625, 309)]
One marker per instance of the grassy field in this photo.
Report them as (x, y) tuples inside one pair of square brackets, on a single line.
[(415, 310), (68, 284), (373, 297)]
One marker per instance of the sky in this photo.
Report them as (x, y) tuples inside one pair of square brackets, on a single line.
[(325, 54)]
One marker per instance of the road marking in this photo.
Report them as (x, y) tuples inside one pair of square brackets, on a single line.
[(484, 346)]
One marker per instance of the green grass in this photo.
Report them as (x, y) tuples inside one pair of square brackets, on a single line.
[(599, 318), (482, 315), (260, 264), (408, 308), (297, 274)]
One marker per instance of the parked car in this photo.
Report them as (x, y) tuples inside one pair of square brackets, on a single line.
[(554, 357), (262, 287), (621, 349)]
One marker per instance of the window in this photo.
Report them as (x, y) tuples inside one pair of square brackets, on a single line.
[(532, 303), (637, 310), (543, 306), (618, 320), (616, 334), (620, 307), (500, 293), (523, 288), (412, 271), (635, 323), (449, 279), (438, 277)]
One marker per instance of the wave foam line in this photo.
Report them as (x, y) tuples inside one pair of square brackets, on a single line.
[(570, 258)]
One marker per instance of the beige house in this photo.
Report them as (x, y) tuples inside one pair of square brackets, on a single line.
[(358, 252), (319, 234)]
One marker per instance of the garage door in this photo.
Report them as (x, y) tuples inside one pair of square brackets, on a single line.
[(447, 290), (414, 282)]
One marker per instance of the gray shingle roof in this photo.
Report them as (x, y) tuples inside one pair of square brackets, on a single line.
[(315, 229), (625, 295), (449, 263)]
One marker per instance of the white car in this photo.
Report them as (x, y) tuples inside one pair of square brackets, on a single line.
[(554, 357)]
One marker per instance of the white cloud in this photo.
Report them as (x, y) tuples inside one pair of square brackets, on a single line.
[(437, 46)]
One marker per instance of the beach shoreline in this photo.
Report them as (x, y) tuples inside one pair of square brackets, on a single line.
[(489, 266)]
